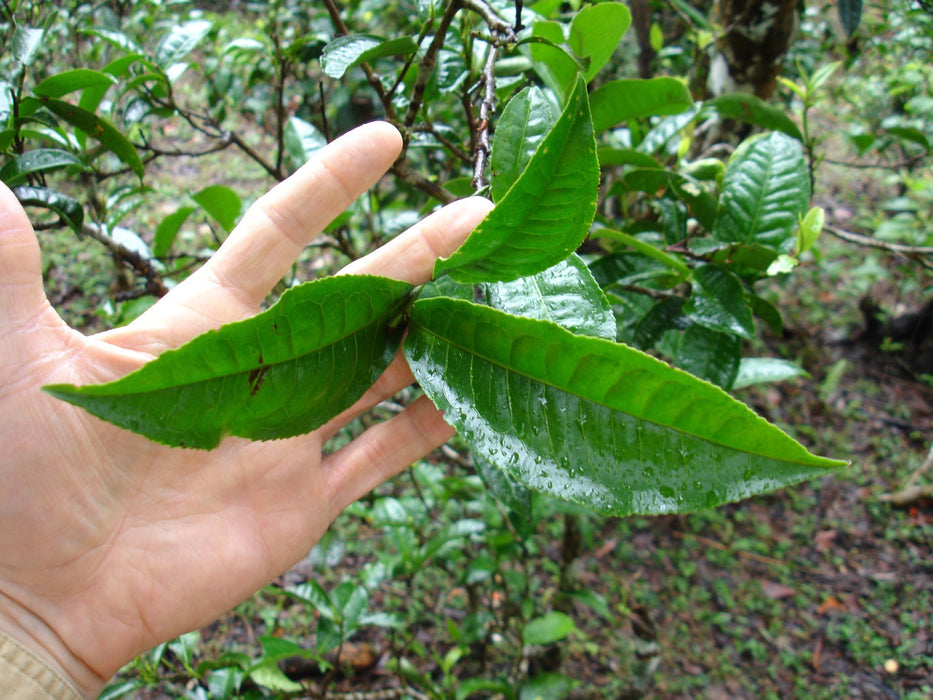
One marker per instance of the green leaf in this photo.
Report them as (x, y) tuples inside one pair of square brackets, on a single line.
[(547, 629), (68, 81), (644, 248), (657, 181), (718, 302), (180, 41), (545, 215), (99, 128), (26, 43), (591, 421), (39, 160), (281, 373), (765, 370), (565, 294), (525, 122), (68, 208), (222, 203), (619, 101), (350, 50), (765, 190), (168, 229), (709, 355), (595, 33), (302, 140), (547, 686), (810, 229), (749, 109)]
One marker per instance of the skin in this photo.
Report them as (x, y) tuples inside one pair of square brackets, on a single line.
[(111, 544)]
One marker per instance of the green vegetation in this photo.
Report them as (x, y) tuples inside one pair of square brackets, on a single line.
[(123, 124)]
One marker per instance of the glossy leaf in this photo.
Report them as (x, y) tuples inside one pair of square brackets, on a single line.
[(592, 421), (657, 181), (850, 14), (68, 81), (621, 100), (565, 294), (765, 189), (302, 140), (181, 41), (718, 301), (750, 109), (222, 203), (344, 52), (765, 370), (98, 128), (524, 123), (39, 160), (545, 215), (168, 229), (283, 372), (26, 43), (66, 207), (709, 355)]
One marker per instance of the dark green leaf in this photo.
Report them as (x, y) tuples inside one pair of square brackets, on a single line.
[(764, 193), (664, 315), (766, 370), (565, 294), (222, 203), (26, 42), (718, 301), (68, 208), (912, 134), (302, 139), (524, 123), (168, 229), (749, 109), (625, 156), (283, 372), (180, 41), (39, 160), (350, 50), (709, 355), (850, 14), (656, 181), (98, 128), (621, 100), (67, 81), (545, 215), (591, 421)]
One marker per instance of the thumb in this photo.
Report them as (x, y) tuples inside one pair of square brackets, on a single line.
[(22, 294)]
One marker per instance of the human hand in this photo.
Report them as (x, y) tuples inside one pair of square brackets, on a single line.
[(109, 543)]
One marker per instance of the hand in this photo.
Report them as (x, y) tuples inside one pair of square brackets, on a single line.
[(109, 543)]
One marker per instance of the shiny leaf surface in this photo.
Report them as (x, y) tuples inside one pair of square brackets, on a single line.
[(718, 302), (620, 100), (545, 215), (283, 372), (524, 123), (765, 191), (592, 421), (565, 294)]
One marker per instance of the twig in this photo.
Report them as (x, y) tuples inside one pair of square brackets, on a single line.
[(486, 108), (143, 266), (429, 62), (910, 492), (441, 194), (496, 24), (859, 239)]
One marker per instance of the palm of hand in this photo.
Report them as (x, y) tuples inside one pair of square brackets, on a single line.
[(109, 543)]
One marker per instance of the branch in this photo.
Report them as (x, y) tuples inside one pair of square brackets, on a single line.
[(401, 169), (486, 108), (910, 492), (859, 239), (141, 265), (429, 61)]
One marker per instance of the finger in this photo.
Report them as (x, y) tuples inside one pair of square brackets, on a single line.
[(20, 264), (411, 256), (383, 451), (262, 248)]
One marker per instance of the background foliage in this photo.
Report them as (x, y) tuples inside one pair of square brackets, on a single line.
[(124, 121)]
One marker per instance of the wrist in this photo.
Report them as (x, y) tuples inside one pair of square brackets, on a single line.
[(36, 650)]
